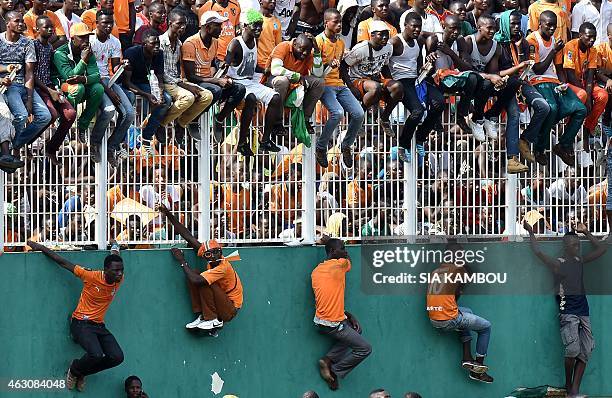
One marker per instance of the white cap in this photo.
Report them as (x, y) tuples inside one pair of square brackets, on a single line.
[(211, 17), (378, 26)]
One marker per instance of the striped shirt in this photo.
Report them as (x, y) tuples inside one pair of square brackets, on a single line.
[(172, 59)]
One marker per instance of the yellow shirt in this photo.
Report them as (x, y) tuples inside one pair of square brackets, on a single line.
[(605, 57), (363, 30), (330, 51)]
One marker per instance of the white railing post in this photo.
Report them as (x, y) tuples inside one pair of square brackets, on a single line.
[(101, 188), (511, 205), (204, 156), (309, 194), (410, 188), (2, 182)]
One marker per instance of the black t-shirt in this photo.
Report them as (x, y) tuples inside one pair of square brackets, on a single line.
[(141, 67), (506, 61), (571, 295)]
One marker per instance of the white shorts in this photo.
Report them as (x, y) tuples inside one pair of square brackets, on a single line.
[(264, 94)]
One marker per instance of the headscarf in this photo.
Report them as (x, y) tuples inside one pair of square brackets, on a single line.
[(503, 34)]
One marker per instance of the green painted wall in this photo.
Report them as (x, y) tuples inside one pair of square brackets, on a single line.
[(271, 348)]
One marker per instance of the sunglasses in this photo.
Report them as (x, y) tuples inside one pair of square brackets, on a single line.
[(212, 253)]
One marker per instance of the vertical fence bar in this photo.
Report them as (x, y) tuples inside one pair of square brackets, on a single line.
[(511, 205), (308, 195), (204, 161), (101, 187), (2, 182)]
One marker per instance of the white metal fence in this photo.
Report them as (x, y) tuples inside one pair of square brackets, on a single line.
[(453, 186)]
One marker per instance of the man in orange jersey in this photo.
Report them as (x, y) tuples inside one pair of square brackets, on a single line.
[(562, 32), (604, 74), (87, 324), (216, 293), (331, 319), (89, 16), (229, 9), (39, 7), (271, 34), (125, 21), (380, 8), (580, 63), (444, 314)]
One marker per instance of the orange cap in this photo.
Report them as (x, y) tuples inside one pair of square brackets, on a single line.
[(208, 245), (80, 29)]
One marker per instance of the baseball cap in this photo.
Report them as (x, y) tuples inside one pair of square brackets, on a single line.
[(211, 17), (80, 29), (378, 26)]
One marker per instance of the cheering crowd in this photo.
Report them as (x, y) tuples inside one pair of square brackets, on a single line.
[(334, 68)]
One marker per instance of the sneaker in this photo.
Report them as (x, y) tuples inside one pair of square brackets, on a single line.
[(80, 384), (195, 323), (525, 150), (217, 323), (321, 157), (347, 157), (11, 162), (474, 366), (268, 146), (218, 131), (7, 170), (541, 158), (310, 128), (491, 128), (386, 127), (482, 377), (477, 129), (403, 155), (567, 157), (71, 380), (463, 125), (514, 166), (122, 154), (95, 154), (280, 131), (147, 148), (207, 325), (194, 131), (111, 157), (245, 150), (82, 136)]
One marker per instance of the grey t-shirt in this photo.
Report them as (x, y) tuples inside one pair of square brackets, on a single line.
[(20, 52), (366, 62)]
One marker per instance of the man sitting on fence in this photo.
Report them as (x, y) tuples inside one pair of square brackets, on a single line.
[(365, 71), (298, 62), (563, 103), (242, 61), (216, 293), (189, 100), (199, 65)]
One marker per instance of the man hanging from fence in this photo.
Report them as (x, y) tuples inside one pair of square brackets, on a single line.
[(574, 320), (216, 293), (544, 49), (87, 325), (405, 64), (365, 71), (331, 318)]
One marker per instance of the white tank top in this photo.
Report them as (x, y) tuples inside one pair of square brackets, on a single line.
[(405, 66), (246, 69), (543, 52), (478, 60)]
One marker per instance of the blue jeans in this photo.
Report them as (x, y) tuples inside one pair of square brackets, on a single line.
[(156, 115), (540, 108), (16, 96), (337, 100), (466, 322), (125, 118)]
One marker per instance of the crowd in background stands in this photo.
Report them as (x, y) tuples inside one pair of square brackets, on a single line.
[(336, 61)]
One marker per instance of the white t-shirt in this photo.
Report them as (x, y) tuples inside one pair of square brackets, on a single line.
[(103, 52), (605, 17), (584, 11), (431, 23), (364, 66), (284, 12), (67, 23)]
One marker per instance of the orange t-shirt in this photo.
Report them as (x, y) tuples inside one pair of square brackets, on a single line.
[(113, 196), (284, 52), (237, 206), (328, 284), (30, 20), (286, 201), (89, 18), (271, 36), (228, 28), (605, 57), (96, 295), (122, 15), (225, 276), (193, 50), (363, 30), (357, 196), (330, 51), (563, 19), (441, 302), (577, 60)]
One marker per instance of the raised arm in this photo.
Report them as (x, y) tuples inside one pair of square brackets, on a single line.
[(52, 255), (600, 247), (193, 276), (180, 228), (549, 261)]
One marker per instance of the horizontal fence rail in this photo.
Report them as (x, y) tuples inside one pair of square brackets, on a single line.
[(453, 185)]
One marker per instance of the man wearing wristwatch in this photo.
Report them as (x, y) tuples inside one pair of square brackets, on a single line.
[(216, 293)]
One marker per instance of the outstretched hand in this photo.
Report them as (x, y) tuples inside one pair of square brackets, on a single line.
[(178, 255), (160, 207), (581, 228), (34, 245)]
